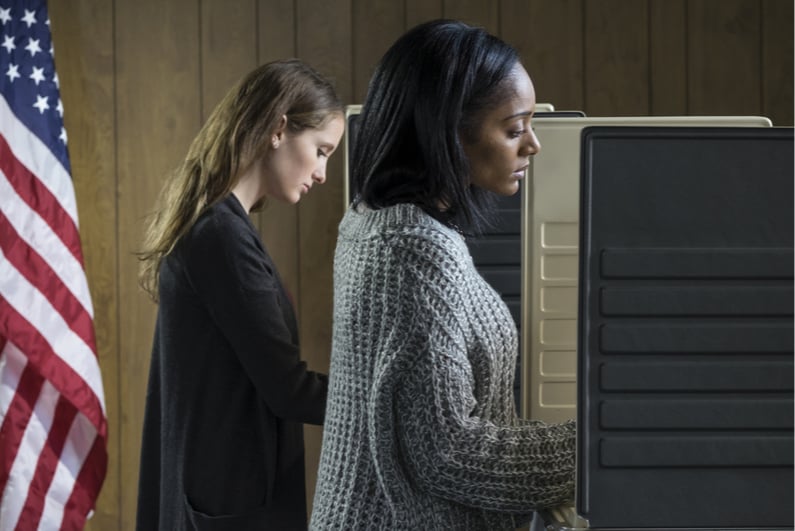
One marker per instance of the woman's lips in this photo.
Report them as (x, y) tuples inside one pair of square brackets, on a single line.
[(520, 173)]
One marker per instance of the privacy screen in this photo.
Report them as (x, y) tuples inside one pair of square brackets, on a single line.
[(685, 339)]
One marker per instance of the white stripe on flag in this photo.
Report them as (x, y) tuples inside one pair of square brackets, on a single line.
[(39, 236), (78, 444), (24, 467), (37, 310), (36, 157)]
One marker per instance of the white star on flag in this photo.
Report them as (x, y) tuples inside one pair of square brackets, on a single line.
[(29, 18), (41, 104), (13, 72), (8, 43), (33, 47), (37, 75), (5, 15)]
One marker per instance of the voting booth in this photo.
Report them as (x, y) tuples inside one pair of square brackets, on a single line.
[(648, 265)]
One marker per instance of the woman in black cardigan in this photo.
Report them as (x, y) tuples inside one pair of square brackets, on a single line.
[(228, 393)]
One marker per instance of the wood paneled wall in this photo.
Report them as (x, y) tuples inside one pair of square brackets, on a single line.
[(138, 77)]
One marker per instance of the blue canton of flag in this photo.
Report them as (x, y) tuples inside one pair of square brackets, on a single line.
[(29, 82)]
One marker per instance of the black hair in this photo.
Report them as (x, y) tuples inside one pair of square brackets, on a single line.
[(428, 91)]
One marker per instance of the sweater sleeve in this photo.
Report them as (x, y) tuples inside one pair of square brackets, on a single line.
[(229, 271), (448, 449)]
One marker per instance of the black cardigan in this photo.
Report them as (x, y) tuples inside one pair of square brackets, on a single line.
[(223, 437)]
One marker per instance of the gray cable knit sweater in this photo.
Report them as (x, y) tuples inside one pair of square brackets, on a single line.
[(421, 431)]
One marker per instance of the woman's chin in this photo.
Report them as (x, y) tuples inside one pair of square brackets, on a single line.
[(509, 189)]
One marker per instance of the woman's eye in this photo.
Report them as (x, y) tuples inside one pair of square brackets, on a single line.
[(517, 134), (321, 153)]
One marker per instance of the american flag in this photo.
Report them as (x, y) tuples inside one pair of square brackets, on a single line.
[(53, 425)]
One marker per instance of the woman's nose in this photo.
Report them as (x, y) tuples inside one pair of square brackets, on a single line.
[(532, 146), (319, 175)]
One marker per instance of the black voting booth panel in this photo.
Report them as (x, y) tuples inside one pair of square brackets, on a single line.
[(685, 339), (497, 254)]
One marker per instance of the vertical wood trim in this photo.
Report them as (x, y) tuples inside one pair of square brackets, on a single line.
[(376, 25), (668, 52), (516, 18), (617, 58), (276, 30), (474, 12), (228, 48), (777, 61), (323, 40), (158, 110), (548, 36), (83, 42), (419, 11), (724, 57), (278, 222)]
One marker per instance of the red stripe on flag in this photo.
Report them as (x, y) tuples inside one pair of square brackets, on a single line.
[(40, 199), (87, 486), (39, 273), (40, 353), (48, 462), (16, 420)]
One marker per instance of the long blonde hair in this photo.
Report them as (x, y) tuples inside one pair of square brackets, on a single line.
[(233, 137)]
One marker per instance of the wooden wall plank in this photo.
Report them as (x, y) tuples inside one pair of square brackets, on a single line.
[(278, 222), (474, 12), (228, 47), (668, 56), (418, 11), (324, 41), (616, 58), (83, 41), (548, 36), (724, 57), (376, 25), (276, 30), (777, 61), (158, 114)]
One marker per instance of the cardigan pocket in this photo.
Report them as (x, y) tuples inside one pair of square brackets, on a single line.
[(253, 520)]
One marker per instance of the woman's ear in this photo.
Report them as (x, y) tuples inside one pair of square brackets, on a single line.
[(281, 127)]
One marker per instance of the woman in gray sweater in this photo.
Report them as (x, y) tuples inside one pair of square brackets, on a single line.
[(421, 430)]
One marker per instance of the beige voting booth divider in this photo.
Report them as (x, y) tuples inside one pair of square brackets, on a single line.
[(351, 112), (550, 241)]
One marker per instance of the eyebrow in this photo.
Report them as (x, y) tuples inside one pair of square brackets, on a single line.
[(518, 114)]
